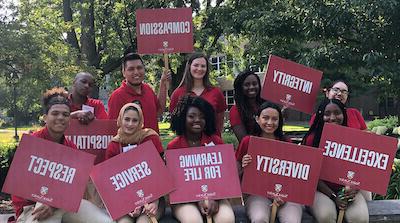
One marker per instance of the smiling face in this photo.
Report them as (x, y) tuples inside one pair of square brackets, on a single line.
[(133, 72), (198, 68), (83, 84), (57, 119), (333, 114), (338, 91), (268, 120), (195, 121), (130, 121), (250, 86)]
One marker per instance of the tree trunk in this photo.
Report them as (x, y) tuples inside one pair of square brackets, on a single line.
[(88, 42), (71, 35)]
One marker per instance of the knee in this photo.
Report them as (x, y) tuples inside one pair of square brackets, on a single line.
[(326, 216), (259, 217), (226, 216), (188, 218), (359, 217)]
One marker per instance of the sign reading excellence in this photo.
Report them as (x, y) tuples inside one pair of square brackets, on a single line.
[(93, 137), (291, 84), (164, 31), (201, 173), (356, 158), (49, 173), (132, 179), (282, 170)]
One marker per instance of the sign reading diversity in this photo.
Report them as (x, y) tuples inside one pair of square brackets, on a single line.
[(132, 179), (162, 31), (291, 84), (202, 173), (282, 170), (93, 137), (357, 158), (49, 173)]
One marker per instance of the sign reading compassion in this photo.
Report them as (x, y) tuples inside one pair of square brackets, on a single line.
[(282, 169), (357, 158), (291, 84), (49, 173), (93, 137), (132, 179), (202, 173), (164, 30)]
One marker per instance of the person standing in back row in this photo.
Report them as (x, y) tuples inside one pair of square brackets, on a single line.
[(134, 89)]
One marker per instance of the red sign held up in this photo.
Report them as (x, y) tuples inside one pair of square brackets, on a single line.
[(92, 138), (357, 158), (291, 84), (164, 31), (49, 173), (282, 169), (132, 179), (202, 173)]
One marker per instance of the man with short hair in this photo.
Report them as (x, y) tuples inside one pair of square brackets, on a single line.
[(134, 89), (82, 107)]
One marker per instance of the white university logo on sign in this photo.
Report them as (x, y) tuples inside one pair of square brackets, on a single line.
[(288, 97), (44, 190), (165, 44), (204, 188), (278, 188), (350, 174), (140, 193)]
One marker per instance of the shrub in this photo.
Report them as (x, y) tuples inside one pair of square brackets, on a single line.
[(230, 138), (7, 151), (393, 191), (389, 122)]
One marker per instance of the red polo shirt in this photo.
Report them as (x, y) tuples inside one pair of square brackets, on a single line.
[(18, 202), (244, 147), (99, 110), (148, 100), (354, 119), (212, 95), (181, 142), (115, 148)]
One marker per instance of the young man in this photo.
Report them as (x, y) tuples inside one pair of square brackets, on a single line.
[(82, 107), (134, 89)]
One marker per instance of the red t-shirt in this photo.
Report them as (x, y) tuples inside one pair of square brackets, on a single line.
[(354, 119), (18, 202), (115, 148), (212, 95), (244, 147), (99, 110), (181, 142), (126, 94), (234, 116)]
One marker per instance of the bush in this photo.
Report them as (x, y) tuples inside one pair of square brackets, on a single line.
[(7, 151), (389, 122), (230, 138), (393, 191)]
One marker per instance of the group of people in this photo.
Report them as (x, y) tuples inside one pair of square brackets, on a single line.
[(197, 116)]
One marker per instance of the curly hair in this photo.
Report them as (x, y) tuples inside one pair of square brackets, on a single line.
[(242, 102), (187, 79), (318, 124), (178, 117), (279, 131), (57, 95)]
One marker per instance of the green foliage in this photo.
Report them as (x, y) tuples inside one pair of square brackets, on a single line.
[(389, 122), (393, 191), (230, 138), (7, 151)]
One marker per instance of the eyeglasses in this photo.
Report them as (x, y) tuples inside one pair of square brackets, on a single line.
[(337, 90)]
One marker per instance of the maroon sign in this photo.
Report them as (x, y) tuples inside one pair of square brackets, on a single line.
[(49, 173), (357, 158), (132, 179), (202, 173), (161, 31), (291, 84), (282, 169), (92, 138)]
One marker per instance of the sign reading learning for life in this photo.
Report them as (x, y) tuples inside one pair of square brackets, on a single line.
[(282, 170), (202, 173), (357, 158), (93, 137), (291, 84), (49, 173), (162, 31), (132, 179)]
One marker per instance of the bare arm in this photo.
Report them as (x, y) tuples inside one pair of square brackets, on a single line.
[(163, 91), (240, 131)]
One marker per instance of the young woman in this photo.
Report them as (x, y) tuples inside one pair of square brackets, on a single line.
[(339, 90), (130, 134), (247, 87), (193, 122), (327, 200), (196, 82), (269, 125), (56, 116)]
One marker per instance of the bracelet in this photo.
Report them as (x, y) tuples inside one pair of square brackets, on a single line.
[(333, 196)]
